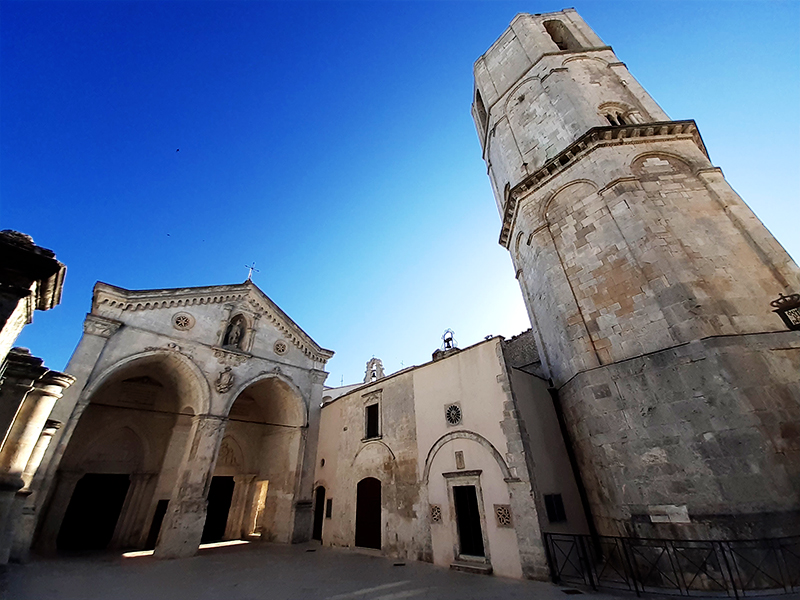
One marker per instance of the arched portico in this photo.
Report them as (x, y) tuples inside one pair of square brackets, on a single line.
[(262, 454), (125, 452)]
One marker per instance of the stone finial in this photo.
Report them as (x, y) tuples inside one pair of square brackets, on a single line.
[(374, 370)]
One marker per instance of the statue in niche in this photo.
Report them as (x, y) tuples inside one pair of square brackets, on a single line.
[(234, 334)]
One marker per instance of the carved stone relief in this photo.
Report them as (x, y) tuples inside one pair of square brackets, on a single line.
[(224, 381)]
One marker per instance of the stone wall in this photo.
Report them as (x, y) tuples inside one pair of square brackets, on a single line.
[(648, 282)]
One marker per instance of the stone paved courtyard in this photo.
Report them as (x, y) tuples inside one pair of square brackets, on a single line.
[(263, 572)]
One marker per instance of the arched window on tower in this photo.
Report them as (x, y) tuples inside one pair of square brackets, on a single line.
[(561, 35), (617, 113), (480, 110)]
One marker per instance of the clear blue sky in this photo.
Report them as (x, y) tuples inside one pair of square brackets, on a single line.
[(332, 143)]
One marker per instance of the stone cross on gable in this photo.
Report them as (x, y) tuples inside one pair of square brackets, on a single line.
[(251, 268)]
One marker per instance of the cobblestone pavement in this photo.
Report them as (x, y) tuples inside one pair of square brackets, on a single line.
[(260, 572)]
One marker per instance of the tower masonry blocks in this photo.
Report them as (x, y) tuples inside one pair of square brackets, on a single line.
[(648, 283)]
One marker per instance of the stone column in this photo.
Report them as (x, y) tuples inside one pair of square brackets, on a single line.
[(20, 371), (67, 480), (133, 515), (50, 428), (239, 506), (186, 516), (27, 521), (29, 422), (19, 444)]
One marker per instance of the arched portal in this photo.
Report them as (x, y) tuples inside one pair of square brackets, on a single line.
[(124, 454), (262, 453), (368, 513)]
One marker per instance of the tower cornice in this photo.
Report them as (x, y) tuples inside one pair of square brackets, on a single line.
[(593, 138)]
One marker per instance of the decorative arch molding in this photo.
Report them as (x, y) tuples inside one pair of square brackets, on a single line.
[(693, 166), (511, 94), (615, 105), (518, 241), (198, 378), (584, 57), (373, 443), (561, 191), (466, 435), (263, 376)]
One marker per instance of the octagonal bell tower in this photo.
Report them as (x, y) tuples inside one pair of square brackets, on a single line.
[(648, 283)]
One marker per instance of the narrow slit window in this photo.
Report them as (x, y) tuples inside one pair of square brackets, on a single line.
[(480, 109), (373, 430), (328, 508)]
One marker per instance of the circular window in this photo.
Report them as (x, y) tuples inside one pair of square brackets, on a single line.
[(182, 321), (280, 347), (453, 414)]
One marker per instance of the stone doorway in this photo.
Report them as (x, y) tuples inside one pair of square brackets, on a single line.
[(468, 521), (93, 512), (319, 513), (368, 513), (220, 494)]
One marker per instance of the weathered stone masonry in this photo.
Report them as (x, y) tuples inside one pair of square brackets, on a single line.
[(648, 282)]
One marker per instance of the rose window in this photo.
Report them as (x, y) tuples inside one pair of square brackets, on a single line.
[(280, 347), (453, 414), (183, 321)]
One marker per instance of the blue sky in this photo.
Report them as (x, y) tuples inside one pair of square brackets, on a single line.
[(332, 144)]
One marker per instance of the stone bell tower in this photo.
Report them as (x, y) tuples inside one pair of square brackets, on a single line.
[(648, 283)]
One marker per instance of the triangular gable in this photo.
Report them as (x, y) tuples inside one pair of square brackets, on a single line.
[(136, 300)]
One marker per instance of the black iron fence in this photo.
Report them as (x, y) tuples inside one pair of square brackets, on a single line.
[(685, 567)]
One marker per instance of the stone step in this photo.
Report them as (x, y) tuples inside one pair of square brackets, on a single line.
[(470, 567)]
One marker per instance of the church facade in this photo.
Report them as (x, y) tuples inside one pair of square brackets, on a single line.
[(194, 416), (656, 394)]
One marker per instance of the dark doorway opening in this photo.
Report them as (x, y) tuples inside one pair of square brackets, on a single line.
[(93, 512), (368, 513), (220, 494), (319, 514), (468, 519), (155, 526)]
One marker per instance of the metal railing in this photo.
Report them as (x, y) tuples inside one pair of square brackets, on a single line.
[(684, 567)]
